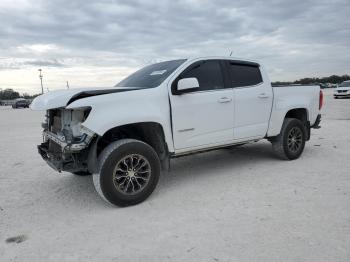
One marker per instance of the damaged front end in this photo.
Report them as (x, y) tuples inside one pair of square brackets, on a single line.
[(66, 141)]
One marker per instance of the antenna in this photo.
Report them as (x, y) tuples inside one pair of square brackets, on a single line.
[(231, 53), (67, 85)]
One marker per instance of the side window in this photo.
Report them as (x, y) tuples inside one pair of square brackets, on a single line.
[(208, 73), (245, 75)]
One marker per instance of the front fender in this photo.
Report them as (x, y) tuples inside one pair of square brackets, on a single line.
[(113, 110)]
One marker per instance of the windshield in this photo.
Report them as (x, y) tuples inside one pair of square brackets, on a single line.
[(345, 84), (152, 75)]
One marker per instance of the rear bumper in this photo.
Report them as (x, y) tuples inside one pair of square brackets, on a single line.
[(316, 125)]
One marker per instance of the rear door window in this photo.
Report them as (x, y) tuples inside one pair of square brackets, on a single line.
[(244, 74)]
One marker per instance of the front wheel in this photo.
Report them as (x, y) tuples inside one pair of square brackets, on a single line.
[(128, 172), (290, 143)]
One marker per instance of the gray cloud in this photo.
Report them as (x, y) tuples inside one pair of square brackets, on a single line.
[(293, 38), (45, 63)]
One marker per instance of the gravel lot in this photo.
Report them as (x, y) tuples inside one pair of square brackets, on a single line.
[(229, 205)]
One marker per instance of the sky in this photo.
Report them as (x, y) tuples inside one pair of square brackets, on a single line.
[(98, 43)]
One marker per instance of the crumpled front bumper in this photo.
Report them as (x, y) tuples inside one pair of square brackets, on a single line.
[(69, 147), (64, 156), (43, 150)]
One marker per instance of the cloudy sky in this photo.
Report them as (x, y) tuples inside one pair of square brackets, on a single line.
[(97, 43)]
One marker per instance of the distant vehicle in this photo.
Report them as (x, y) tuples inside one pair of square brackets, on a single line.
[(21, 103), (343, 90), (327, 85), (323, 86)]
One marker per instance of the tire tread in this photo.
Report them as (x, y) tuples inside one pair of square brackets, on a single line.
[(103, 158), (278, 141)]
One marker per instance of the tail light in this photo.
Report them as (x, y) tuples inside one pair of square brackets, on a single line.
[(321, 100)]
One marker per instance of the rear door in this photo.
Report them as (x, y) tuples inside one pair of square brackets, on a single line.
[(203, 117), (252, 100)]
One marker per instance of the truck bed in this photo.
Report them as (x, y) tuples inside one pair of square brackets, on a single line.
[(290, 97)]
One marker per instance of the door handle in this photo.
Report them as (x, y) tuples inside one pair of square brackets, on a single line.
[(263, 95), (224, 100)]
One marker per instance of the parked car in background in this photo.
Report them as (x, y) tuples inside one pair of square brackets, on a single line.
[(322, 85), (327, 85), (343, 90), (21, 103)]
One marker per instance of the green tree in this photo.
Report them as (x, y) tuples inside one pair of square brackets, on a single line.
[(8, 94), (334, 79)]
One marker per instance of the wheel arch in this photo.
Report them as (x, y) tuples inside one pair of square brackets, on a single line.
[(152, 133), (299, 113), (281, 112)]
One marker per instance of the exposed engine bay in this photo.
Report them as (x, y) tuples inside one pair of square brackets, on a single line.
[(65, 139)]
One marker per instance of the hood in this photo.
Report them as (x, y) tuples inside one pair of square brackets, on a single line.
[(62, 98)]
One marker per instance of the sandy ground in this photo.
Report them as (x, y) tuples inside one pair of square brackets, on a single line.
[(227, 205)]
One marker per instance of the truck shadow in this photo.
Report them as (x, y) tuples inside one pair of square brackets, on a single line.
[(220, 163), (80, 191)]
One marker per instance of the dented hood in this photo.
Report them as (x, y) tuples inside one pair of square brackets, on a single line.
[(62, 98)]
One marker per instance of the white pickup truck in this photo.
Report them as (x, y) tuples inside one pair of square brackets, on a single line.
[(126, 135)]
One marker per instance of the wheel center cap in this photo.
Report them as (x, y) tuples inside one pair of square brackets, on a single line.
[(131, 173)]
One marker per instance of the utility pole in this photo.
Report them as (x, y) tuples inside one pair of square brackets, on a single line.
[(67, 85), (41, 81)]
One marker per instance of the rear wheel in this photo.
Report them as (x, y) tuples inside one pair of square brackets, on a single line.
[(128, 172), (290, 143)]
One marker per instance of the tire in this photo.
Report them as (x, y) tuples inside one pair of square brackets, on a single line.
[(290, 143), (118, 181), (82, 173)]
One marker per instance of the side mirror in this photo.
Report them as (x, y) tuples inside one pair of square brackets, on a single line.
[(187, 84)]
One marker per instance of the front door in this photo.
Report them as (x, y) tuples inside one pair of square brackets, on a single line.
[(204, 116)]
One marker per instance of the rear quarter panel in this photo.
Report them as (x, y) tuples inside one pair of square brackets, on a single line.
[(287, 98)]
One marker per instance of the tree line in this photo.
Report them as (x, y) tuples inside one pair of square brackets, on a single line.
[(10, 94), (333, 79)]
